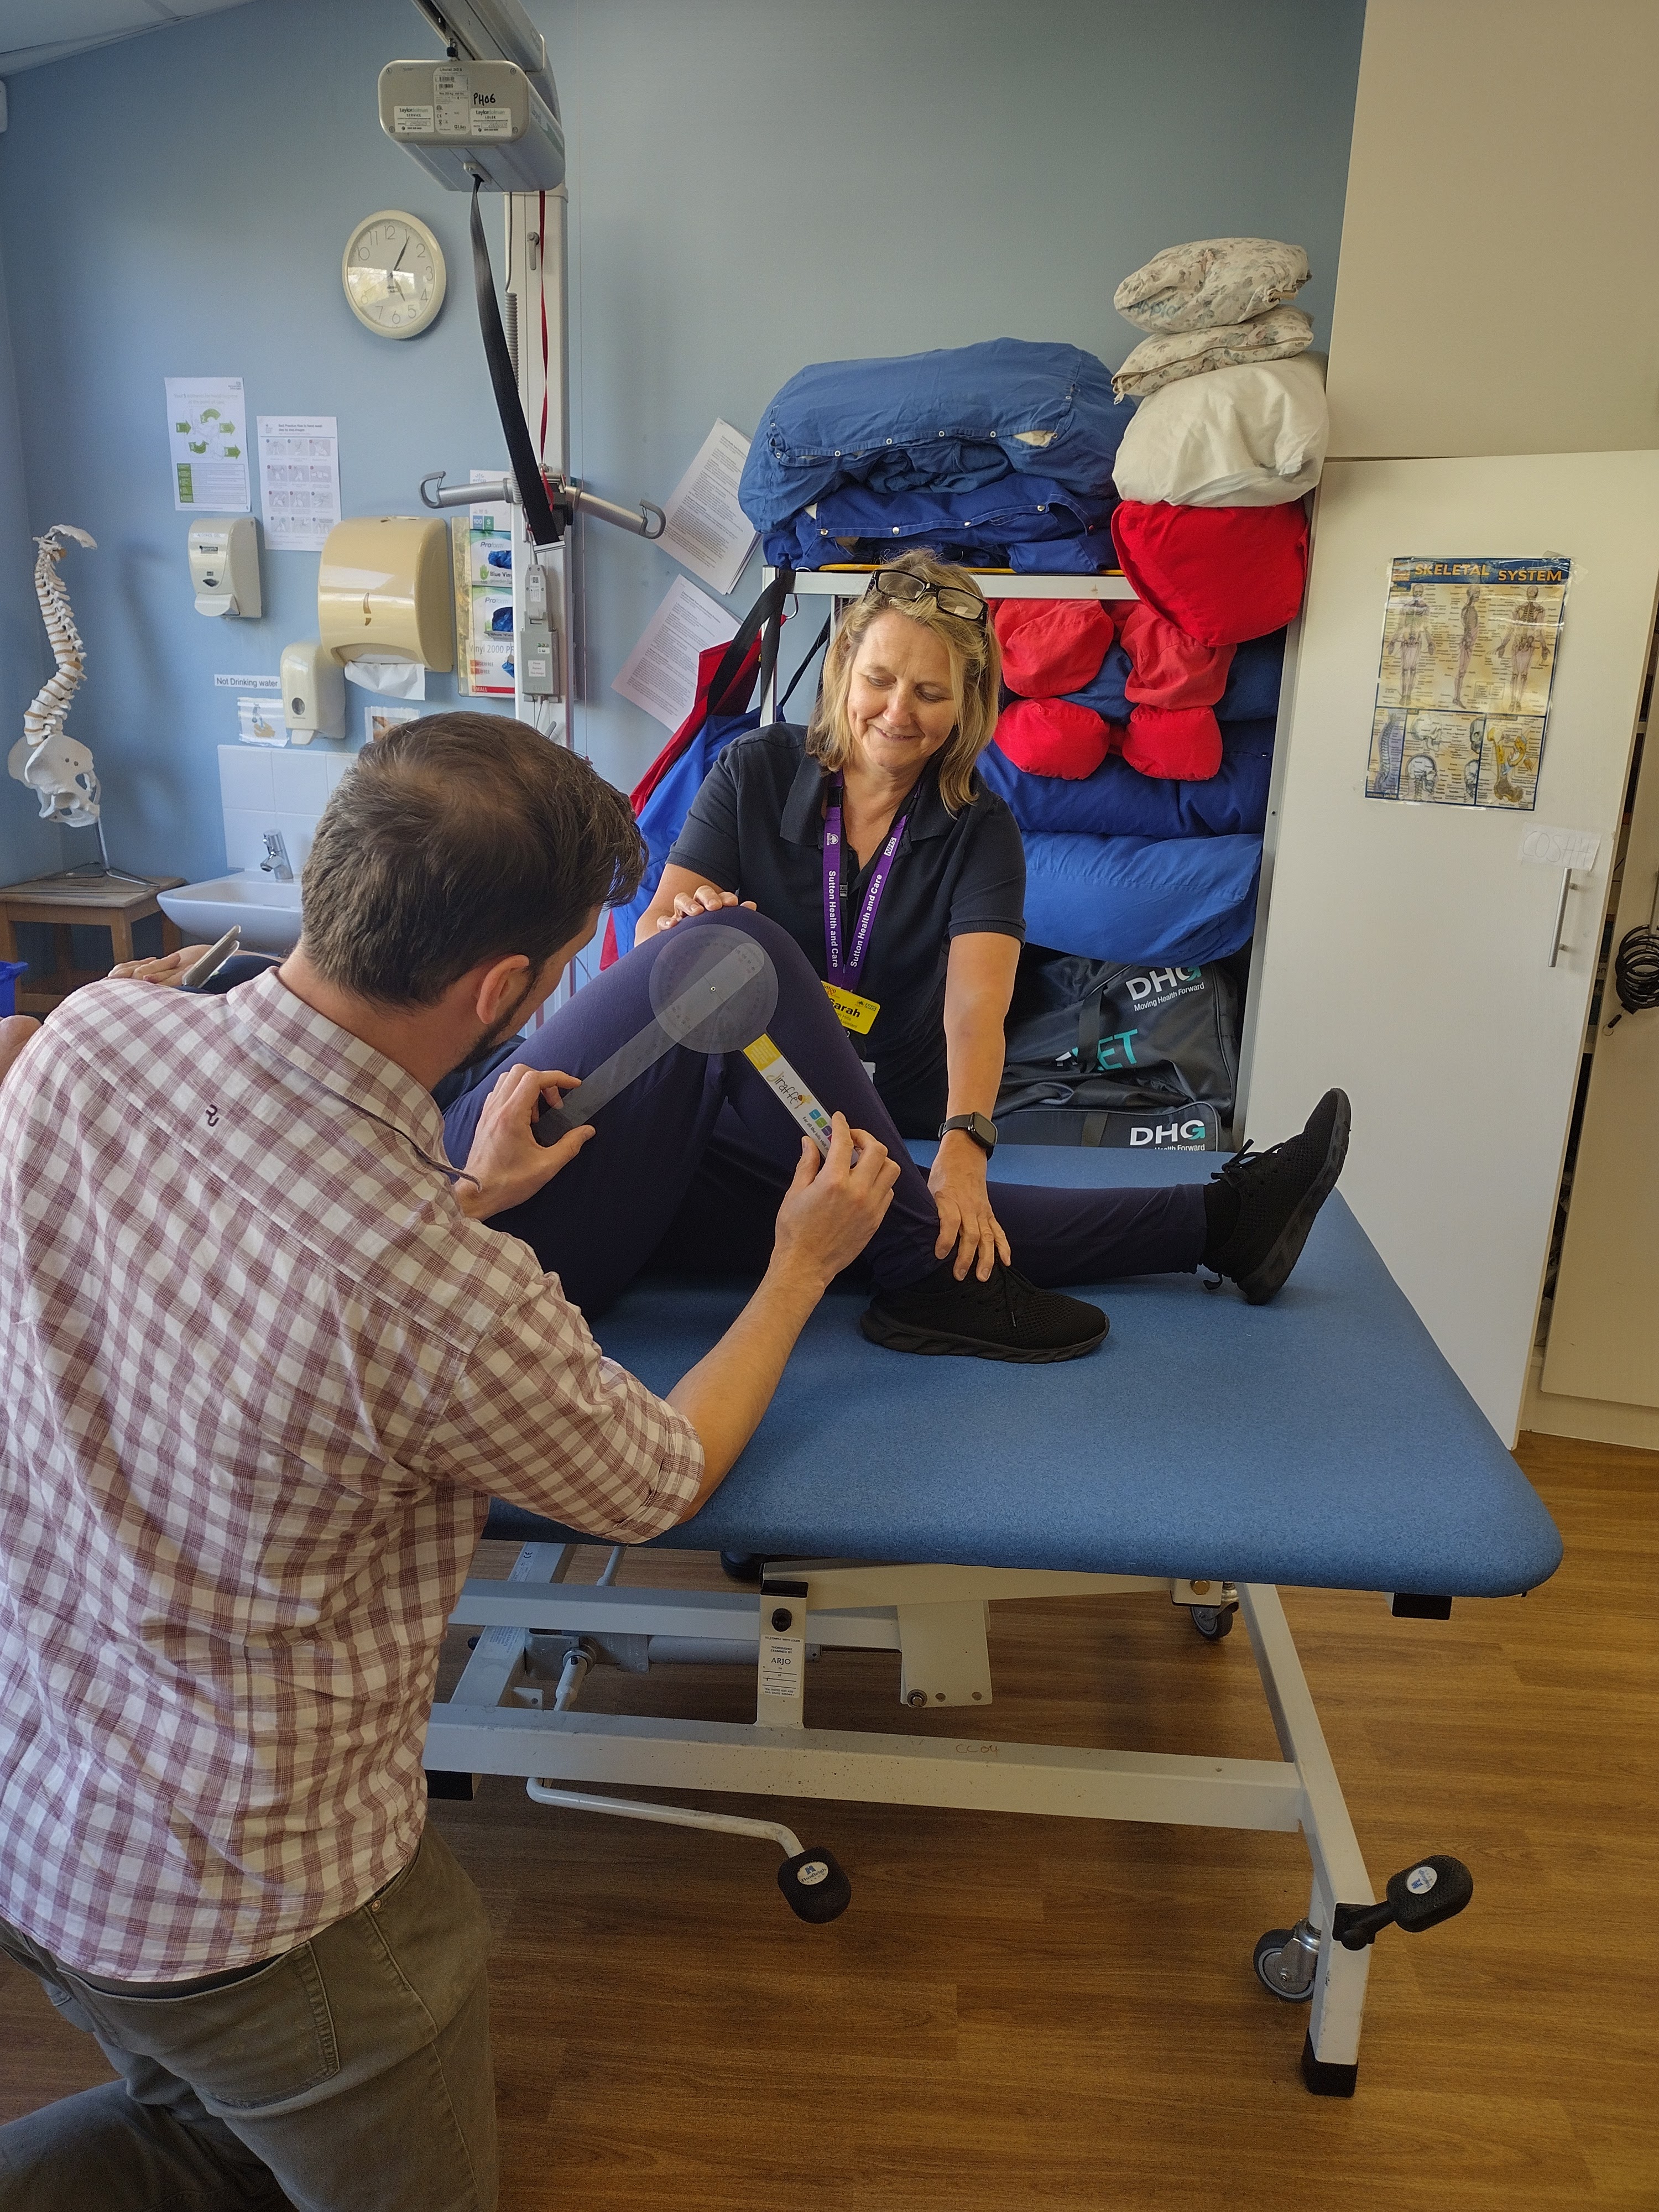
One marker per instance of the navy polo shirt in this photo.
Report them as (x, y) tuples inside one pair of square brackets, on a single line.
[(757, 828)]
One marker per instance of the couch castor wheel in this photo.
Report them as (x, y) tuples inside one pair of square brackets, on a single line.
[(1285, 1964), (742, 1567), (1212, 1622), (817, 1888)]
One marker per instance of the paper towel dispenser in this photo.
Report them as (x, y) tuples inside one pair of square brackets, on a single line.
[(383, 591)]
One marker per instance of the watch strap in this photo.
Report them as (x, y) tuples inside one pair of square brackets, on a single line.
[(973, 1125)]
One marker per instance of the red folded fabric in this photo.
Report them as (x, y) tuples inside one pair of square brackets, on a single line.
[(1181, 742), (1222, 574), (1167, 667), (1052, 737), (1052, 646)]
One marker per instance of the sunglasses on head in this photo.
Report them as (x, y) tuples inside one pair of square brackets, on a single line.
[(905, 589)]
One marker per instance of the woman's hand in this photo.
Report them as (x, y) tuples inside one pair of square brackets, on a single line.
[(965, 1218), (706, 899), (168, 968), (505, 1163)]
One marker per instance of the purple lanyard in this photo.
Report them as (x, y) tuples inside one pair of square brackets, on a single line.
[(845, 973)]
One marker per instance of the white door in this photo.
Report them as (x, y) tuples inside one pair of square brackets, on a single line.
[(1408, 954)]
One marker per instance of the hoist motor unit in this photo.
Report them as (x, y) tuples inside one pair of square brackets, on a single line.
[(463, 119)]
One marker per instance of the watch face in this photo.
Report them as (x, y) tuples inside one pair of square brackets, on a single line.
[(394, 275)]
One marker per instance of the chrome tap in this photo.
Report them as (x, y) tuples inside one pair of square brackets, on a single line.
[(276, 863)]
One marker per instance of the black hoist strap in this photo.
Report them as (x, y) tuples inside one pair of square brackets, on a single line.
[(544, 526)]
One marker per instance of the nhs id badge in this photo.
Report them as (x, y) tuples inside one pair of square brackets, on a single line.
[(853, 1012)]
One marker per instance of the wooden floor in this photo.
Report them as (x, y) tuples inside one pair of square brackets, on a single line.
[(1058, 2014)]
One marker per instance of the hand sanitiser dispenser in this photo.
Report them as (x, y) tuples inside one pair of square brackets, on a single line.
[(314, 692), (224, 566)]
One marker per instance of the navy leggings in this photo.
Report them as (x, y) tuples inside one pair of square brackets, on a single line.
[(687, 1166)]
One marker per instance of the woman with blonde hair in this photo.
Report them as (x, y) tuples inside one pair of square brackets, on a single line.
[(869, 837)]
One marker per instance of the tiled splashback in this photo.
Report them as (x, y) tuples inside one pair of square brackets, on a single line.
[(275, 787)]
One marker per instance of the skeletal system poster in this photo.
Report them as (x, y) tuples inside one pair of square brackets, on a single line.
[(1470, 649)]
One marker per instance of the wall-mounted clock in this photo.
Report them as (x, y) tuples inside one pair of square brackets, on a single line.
[(393, 274)]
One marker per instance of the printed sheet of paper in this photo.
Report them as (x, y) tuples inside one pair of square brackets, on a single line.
[(481, 543), (1469, 648), (299, 480), (661, 674), (207, 436), (707, 531)]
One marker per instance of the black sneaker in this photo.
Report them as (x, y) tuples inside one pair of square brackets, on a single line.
[(1007, 1318), (1279, 1192)]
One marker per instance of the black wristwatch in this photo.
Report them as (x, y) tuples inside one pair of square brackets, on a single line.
[(980, 1128)]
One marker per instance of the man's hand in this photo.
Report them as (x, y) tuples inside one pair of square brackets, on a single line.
[(166, 968), (706, 898), (834, 1206), (506, 1163), (965, 1218)]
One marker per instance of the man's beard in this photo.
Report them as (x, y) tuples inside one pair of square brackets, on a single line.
[(498, 1031)]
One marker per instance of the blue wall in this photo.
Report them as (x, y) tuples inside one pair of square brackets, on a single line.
[(755, 184)]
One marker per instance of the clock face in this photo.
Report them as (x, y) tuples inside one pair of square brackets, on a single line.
[(393, 273)]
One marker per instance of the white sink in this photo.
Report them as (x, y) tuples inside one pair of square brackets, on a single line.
[(267, 912)]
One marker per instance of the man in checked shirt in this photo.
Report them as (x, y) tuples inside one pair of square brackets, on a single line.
[(265, 1365)]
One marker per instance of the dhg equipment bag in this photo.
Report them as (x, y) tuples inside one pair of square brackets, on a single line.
[(1097, 1034)]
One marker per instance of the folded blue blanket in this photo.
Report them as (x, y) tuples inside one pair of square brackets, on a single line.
[(1025, 520), (1117, 801), (950, 421), (1176, 899)]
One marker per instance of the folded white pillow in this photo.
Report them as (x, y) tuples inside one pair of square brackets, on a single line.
[(1157, 362), (1211, 281), (1250, 436)]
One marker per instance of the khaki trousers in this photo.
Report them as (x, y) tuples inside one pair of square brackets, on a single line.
[(351, 2073)]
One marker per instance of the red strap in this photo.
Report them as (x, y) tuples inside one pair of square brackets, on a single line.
[(542, 255), (736, 696)]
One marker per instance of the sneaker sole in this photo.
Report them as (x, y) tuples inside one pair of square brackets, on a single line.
[(1267, 1280), (937, 1344)]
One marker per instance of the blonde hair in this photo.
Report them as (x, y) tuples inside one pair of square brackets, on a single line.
[(976, 675)]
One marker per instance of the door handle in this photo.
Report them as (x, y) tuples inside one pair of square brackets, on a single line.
[(1560, 915)]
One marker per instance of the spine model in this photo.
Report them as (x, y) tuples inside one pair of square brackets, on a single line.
[(58, 769)]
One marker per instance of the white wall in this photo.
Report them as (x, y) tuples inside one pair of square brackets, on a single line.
[(1500, 290), (755, 185)]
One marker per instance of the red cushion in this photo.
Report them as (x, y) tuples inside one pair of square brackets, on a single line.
[(1183, 742), (1222, 574), (1167, 667), (1052, 646), (1051, 737)]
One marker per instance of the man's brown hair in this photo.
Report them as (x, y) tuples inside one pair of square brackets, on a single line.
[(457, 839)]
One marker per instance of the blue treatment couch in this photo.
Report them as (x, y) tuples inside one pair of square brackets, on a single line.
[(1209, 1451)]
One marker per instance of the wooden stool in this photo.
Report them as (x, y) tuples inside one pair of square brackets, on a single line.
[(110, 902)]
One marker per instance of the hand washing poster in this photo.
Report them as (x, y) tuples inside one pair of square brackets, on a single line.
[(1469, 647), (208, 442)]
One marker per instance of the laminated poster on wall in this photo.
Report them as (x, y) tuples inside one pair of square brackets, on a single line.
[(259, 722), (1469, 647), (299, 480), (481, 542), (661, 674), (704, 527), (378, 721), (208, 438)]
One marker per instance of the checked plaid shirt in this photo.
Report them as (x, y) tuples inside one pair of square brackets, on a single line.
[(258, 1377)]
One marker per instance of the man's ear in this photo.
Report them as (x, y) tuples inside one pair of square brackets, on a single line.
[(497, 984)]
